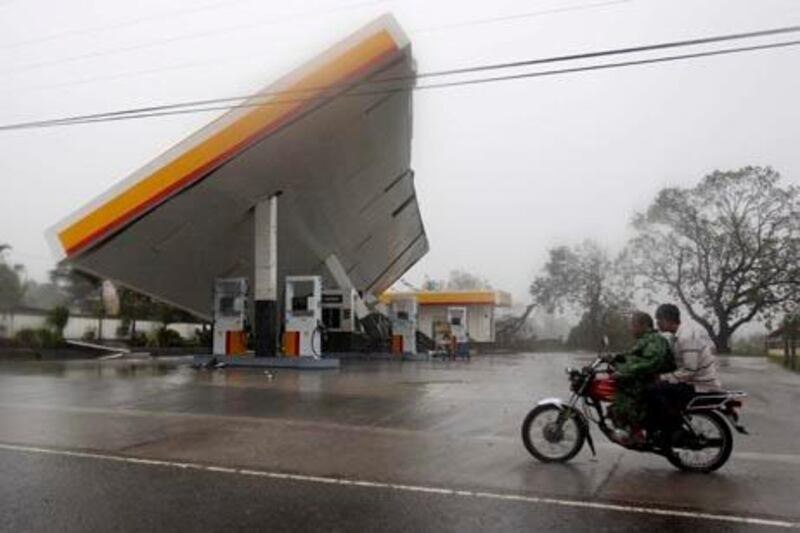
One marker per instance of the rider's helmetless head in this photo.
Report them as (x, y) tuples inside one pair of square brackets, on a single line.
[(641, 323), (668, 317)]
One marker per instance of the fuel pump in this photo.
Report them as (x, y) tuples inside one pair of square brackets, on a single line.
[(230, 316), (303, 337), (403, 314)]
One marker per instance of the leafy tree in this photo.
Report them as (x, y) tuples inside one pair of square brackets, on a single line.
[(57, 318), (166, 314), (134, 307), (727, 249), (43, 295), (583, 279), (461, 280), (458, 280), (432, 285), (11, 287), (38, 338), (614, 324), (82, 291)]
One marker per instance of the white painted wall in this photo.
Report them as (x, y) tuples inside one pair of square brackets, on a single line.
[(480, 320), (77, 326)]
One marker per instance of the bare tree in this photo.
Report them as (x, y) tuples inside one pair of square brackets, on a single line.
[(727, 249)]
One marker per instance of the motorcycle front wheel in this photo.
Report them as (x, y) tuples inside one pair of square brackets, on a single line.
[(553, 434), (708, 449)]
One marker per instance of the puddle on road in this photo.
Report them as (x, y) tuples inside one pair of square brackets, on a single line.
[(432, 382), (143, 368)]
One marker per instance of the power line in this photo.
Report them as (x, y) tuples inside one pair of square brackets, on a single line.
[(621, 64), (444, 27), (621, 51), (219, 5), (449, 72), (573, 70)]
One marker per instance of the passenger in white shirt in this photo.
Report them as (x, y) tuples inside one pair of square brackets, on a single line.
[(694, 352), (696, 372)]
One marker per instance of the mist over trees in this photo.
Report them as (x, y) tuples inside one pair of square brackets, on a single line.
[(585, 280), (726, 250), (458, 280)]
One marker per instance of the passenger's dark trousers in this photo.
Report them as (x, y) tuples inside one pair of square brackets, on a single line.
[(665, 401)]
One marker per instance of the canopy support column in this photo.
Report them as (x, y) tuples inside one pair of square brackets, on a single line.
[(265, 290)]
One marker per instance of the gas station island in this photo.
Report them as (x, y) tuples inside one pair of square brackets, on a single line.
[(283, 220)]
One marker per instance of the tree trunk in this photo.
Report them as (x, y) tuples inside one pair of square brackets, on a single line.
[(786, 350), (722, 341)]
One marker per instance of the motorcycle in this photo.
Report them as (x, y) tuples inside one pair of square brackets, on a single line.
[(555, 430)]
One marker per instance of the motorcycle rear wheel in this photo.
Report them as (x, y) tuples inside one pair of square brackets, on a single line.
[(553, 434), (711, 451)]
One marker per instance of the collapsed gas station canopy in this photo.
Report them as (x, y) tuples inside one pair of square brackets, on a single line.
[(331, 140)]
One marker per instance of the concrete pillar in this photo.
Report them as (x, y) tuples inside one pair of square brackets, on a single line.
[(265, 289)]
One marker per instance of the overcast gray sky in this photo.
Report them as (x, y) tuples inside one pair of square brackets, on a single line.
[(503, 171)]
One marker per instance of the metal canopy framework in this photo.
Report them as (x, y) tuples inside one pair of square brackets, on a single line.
[(334, 143)]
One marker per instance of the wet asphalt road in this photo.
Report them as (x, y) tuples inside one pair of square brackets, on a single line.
[(424, 425)]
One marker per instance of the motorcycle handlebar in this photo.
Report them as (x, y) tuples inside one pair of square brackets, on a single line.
[(608, 361)]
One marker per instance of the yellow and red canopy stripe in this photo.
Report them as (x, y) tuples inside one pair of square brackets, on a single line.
[(197, 161)]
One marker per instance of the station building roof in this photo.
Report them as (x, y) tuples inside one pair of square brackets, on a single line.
[(452, 298)]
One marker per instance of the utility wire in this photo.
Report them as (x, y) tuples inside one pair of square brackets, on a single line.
[(447, 72), (220, 5), (432, 29), (395, 90)]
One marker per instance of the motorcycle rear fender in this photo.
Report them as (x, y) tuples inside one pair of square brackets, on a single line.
[(561, 404), (727, 410)]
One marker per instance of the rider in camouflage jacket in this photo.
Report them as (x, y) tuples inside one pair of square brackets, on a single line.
[(649, 357)]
